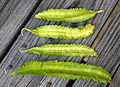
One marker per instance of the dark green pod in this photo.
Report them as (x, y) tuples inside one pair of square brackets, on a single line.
[(65, 70), (55, 31), (67, 15), (72, 50)]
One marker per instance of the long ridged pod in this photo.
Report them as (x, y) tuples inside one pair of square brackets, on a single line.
[(65, 70), (67, 15), (72, 50), (55, 31)]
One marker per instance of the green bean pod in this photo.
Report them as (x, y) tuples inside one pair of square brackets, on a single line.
[(65, 70), (67, 15), (72, 50), (55, 31)]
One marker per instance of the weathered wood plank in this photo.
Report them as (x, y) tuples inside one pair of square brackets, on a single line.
[(108, 49), (116, 79), (2, 4), (16, 59), (13, 15)]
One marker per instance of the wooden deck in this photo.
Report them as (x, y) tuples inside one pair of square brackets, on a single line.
[(17, 14)]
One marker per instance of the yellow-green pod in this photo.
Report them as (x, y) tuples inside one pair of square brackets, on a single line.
[(72, 50), (55, 31), (67, 15), (65, 70)]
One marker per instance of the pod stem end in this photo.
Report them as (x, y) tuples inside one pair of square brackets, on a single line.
[(23, 30), (7, 73), (22, 50)]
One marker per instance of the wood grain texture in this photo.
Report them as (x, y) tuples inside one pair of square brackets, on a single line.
[(3, 4), (13, 15), (108, 49), (16, 59), (116, 79)]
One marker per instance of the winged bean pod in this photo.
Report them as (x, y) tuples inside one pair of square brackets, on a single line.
[(55, 31), (65, 70), (72, 50), (67, 15)]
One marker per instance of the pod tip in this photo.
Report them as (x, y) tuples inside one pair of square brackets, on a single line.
[(100, 11), (97, 55), (110, 81), (35, 17), (93, 24), (38, 15)]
